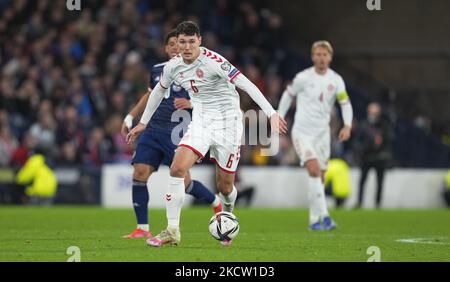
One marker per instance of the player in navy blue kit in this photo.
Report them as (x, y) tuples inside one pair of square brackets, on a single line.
[(155, 145)]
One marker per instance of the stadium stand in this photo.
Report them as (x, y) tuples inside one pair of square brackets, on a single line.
[(67, 81)]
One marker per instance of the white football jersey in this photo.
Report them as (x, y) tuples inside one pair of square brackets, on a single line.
[(316, 95), (209, 82)]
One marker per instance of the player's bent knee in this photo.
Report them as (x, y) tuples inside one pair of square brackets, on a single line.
[(314, 173), (177, 170), (313, 168), (142, 172)]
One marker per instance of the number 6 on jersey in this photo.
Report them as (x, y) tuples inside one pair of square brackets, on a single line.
[(194, 88)]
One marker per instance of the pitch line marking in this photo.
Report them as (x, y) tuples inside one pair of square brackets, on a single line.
[(422, 241)]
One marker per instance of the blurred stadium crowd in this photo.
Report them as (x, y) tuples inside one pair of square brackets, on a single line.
[(67, 81), (68, 78)]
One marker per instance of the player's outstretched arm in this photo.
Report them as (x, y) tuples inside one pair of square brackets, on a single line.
[(277, 123), (285, 103), (153, 102), (347, 116), (137, 110)]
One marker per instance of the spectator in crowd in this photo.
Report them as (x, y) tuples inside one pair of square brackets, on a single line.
[(69, 155), (97, 62), (21, 154), (69, 129), (113, 131), (8, 145), (337, 181), (373, 142), (39, 179), (63, 76), (99, 149), (423, 122), (43, 131)]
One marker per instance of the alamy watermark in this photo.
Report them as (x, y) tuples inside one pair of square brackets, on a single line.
[(373, 5), (75, 254), (247, 128), (375, 254), (73, 5)]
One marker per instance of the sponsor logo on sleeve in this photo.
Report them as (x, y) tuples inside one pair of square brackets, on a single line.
[(233, 72)]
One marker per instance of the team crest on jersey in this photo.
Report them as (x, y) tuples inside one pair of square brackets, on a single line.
[(199, 73), (330, 87), (226, 66)]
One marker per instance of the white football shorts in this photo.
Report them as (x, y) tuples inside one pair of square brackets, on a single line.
[(222, 139), (312, 147)]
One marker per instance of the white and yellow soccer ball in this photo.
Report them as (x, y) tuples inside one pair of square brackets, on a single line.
[(224, 226)]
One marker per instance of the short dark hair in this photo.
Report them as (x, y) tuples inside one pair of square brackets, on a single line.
[(188, 28), (172, 33)]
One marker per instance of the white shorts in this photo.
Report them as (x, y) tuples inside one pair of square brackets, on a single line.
[(223, 142), (312, 147)]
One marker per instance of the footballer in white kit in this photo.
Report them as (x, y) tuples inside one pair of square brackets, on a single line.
[(316, 89), (216, 124), (216, 118)]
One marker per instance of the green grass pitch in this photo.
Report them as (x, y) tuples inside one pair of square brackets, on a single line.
[(44, 234)]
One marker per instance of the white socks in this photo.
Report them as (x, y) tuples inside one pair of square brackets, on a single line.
[(317, 203), (174, 201), (144, 227), (216, 202), (228, 200)]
